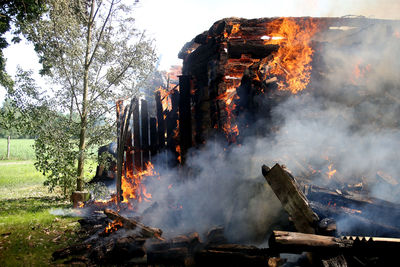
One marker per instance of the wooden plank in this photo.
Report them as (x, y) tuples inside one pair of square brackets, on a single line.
[(293, 242), (145, 132), (146, 231), (172, 128), (153, 137), (136, 136), (129, 154), (118, 108), (293, 200), (160, 122), (185, 116)]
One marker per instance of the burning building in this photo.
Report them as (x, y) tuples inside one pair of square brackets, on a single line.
[(319, 96)]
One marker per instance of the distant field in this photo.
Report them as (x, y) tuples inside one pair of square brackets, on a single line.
[(21, 149), (20, 178)]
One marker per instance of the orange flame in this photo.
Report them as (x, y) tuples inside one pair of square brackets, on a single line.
[(133, 186), (228, 97), (113, 226), (331, 171), (165, 99), (292, 60), (359, 72), (233, 33)]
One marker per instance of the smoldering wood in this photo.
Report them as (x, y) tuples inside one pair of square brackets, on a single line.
[(356, 223), (145, 133), (146, 231), (153, 137), (71, 250), (293, 200), (355, 205), (228, 258), (171, 256), (243, 249), (190, 241), (129, 167), (334, 261)]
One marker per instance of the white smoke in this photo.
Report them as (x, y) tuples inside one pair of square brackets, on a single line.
[(348, 120)]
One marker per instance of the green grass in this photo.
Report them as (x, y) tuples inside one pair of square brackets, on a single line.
[(29, 232), (20, 149)]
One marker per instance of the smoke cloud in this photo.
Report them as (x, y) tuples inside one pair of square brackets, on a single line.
[(348, 120)]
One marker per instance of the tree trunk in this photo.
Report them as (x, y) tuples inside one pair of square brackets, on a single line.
[(8, 146), (82, 135)]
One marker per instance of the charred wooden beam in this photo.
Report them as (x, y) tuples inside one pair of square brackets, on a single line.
[(376, 210), (136, 136), (355, 221), (71, 250), (172, 128), (145, 133), (244, 249), (185, 116), (172, 256), (146, 231), (254, 48), (129, 167), (292, 199), (153, 137), (118, 108), (160, 121)]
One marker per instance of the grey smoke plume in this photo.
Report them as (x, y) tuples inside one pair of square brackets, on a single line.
[(348, 121)]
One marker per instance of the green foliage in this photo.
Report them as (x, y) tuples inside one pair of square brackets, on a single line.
[(15, 12), (98, 191), (55, 149), (21, 149)]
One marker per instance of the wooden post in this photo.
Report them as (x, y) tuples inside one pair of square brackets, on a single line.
[(145, 133), (119, 107), (172, 128), (292, 199), (136, 137), (153, 137), (129, 154), (185, 117), (160, 122), (8, 146)]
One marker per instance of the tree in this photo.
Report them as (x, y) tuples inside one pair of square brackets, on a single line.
[(22, 108), (13, 13), (92, 51)]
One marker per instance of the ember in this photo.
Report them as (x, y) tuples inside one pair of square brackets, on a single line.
[(113, 226)]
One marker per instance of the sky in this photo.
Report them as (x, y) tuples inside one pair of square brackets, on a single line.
[(172, 23)]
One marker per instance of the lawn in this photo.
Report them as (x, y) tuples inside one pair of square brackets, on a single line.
[(20, 149), (30, 230)]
